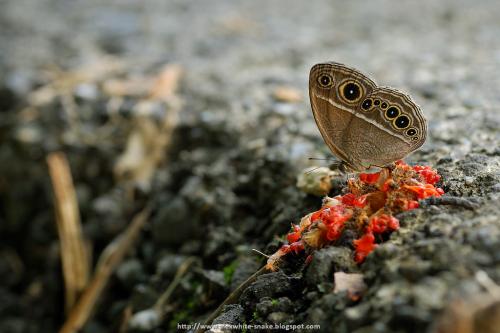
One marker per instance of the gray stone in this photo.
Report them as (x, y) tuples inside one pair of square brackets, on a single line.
[(327, 261), (232, 315)]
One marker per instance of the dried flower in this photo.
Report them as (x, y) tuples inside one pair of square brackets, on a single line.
[(367, 209)]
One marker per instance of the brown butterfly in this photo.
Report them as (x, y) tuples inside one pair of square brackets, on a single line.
[(363, 124)]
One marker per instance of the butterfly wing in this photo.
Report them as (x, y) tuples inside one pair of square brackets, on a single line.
[(332, 111), (364, 125), (388, 126)]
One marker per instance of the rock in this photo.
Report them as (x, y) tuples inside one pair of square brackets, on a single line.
[(219, 239), (168, 264), (405, 315), (327, 261), (287, 94), (145, 320), (173, 224), (215, 280), (130, 273), (414, 269), (268, 305), (143, 297), (267, 285), (232, 315), (244, 269), (86, 91), (316, 181), (279, 317), (325, 309), (357, 315), (14, 325)]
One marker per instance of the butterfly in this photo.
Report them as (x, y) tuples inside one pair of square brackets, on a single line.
[(362, 123)]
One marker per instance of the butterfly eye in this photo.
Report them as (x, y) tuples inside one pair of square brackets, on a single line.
[(383, 105), (402, 122), (367, 104), (350, 91), (392, 112), (325, 80), (411, 131)]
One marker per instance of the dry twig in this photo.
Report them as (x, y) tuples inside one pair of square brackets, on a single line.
[(148, 319), (73, 248), (111, 257), (149, 139)]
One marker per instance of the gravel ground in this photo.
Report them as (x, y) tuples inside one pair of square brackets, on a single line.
[(225, 183)]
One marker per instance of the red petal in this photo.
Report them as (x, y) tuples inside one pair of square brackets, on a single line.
[(382, 223), (387, 185), (297, 247), (364, 246), (316, 215), (360, 201), (293, 237), (348, 199), (369, 178), (412, 204), (285, 249)]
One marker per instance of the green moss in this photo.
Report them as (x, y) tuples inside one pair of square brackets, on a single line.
[(274, 301), (255, 315), (179, 317), (195, 284), (229, 271), (184, 313), (191, 304)]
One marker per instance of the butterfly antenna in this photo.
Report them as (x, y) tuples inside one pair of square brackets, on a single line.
[(313, 169), (321, 159), (262, 254)]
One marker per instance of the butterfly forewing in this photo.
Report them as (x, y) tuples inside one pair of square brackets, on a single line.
[(361, 123)]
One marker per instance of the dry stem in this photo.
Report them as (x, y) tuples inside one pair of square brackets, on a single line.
[(111, 257), (73, 248)]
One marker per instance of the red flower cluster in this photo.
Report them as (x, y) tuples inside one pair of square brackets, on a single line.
[(367, 210), (351, 200), (377, 225), (369, 178), (331, 220), (425, 190), (429, 175), (382, 223), (364, 246)]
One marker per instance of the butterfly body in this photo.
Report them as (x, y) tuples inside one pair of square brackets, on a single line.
[(363, 124)]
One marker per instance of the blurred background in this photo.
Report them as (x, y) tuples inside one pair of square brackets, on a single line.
[(191, 119)]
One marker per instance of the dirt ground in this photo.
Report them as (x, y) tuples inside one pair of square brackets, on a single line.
[(199, 110)]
